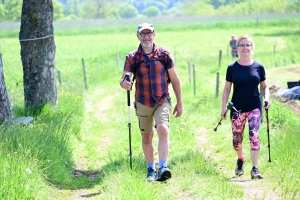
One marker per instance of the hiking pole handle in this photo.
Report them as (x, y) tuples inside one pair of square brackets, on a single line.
[(127, 78)]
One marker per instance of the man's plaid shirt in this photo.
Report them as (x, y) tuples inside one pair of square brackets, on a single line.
[(151, 77)]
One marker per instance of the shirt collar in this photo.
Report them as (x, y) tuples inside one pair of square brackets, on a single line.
[(141, 51)]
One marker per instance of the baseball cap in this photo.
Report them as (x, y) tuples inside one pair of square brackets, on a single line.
[(145, 26)]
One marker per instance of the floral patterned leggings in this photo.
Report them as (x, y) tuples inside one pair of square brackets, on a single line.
[(238, 121)]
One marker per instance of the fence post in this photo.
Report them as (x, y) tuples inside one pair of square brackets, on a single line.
[(227, 50), (58, 75), (274, 49), (118, 60), (217, 85), (84, 74), (194, 75), (174, 55), (220, 57), (190, 76)]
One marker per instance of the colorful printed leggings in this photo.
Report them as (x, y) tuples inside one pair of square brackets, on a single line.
[(238, 122)]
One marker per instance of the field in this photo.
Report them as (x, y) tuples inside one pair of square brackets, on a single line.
[(79, 150)]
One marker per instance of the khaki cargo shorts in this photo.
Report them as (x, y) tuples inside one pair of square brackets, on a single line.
[(160, 114)]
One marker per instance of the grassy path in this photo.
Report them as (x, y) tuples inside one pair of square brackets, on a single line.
[(90, 151)]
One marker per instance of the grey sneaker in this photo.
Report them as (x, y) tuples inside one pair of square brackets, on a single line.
[(151, 175), (239, 170), (163, 174), (255, 173)]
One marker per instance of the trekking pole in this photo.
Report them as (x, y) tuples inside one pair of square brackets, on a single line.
[(268, 131), (229, 106), (129, 122)]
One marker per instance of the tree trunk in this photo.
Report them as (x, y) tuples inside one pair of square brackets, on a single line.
[(38, 53), (5, 107)]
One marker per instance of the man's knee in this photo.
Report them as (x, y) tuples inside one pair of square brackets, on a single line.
[(162, 129), (147, 138)]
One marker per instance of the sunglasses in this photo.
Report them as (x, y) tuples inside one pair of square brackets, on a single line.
[(245, 45)]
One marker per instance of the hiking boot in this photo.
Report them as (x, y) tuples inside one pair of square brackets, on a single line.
[(164, 173), (151, 175), (239, 170), (255, 173)]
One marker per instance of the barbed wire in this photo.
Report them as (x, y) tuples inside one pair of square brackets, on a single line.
[(22, 40)]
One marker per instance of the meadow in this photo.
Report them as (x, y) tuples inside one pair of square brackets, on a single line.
[(79, 149)]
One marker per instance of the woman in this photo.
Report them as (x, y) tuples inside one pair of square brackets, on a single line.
[(245, 75)]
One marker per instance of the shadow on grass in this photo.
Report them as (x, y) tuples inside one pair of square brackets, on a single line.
[(85, 179)]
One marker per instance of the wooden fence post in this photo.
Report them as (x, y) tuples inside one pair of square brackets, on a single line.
[(190, 76), (118, 61), (194, 77), (220, 57), (217, 85), (58, 76), (227, 50), (84, 74), (174, 55)]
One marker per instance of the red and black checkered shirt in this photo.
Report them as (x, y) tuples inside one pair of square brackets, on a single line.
[(151, 77)]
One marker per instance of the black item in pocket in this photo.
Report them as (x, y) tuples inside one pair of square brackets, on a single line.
[(169, 100), (292, 84)]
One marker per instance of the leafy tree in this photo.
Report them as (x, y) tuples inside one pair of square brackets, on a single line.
[(294, 6), (219, 3), (161, 5), (171, 12), (197, 8), (94, 9), (57, 10), (253, 7), (127, 11), (274, 6), (13, 10), (71, 7), (151, 11), (71, 17), (2, 12)]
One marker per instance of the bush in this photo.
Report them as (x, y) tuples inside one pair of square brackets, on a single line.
[(151, 11), (128, 11)]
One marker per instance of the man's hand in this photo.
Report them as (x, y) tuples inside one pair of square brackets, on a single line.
[(178, 110), (126, 82)]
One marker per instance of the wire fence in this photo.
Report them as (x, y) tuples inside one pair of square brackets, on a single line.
[(90, 72)]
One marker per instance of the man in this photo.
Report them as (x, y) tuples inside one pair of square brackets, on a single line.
[(233, 46), (152, 67)]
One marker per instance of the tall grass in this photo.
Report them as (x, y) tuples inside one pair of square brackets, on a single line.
[(82, 144)]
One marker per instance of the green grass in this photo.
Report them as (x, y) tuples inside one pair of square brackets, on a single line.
[(88, 130)]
